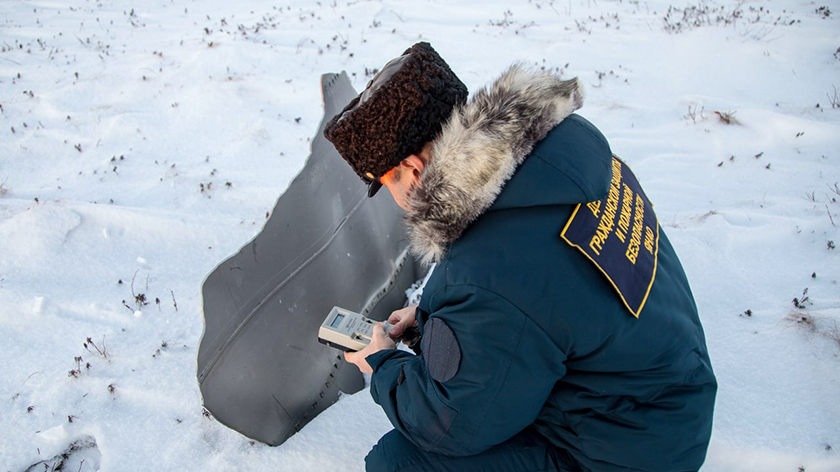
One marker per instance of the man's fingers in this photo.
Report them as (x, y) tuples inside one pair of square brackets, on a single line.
[(396, 330), (351, 356), (401, 319), (381, 339)]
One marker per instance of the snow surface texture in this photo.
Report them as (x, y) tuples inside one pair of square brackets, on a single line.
[(141, 144)]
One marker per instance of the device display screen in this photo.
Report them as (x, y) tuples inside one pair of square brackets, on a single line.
[(337, 321)]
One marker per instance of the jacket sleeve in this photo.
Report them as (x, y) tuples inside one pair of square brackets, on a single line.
[(507, 369)]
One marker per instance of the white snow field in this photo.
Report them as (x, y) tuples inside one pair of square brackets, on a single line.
[(142, 143)]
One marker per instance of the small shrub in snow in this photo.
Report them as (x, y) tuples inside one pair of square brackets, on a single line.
[(727, 117), (77, 372), (694, 114), (825, 327), (803, 301), (102, 352), (834, 98)]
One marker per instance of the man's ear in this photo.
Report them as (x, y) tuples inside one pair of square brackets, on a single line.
[(413, 164)]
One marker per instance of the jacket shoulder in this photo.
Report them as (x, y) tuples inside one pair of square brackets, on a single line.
[(573, 164)]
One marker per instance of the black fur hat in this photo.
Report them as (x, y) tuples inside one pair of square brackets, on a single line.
[(401, 109)]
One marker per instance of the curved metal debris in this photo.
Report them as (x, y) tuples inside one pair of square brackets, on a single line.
[(261, 369)]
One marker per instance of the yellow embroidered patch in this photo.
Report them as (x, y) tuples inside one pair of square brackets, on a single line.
[(620, 235)]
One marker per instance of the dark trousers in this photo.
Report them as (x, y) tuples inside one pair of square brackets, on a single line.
[(525, 452)]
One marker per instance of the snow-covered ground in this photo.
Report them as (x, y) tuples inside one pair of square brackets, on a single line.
[(141, 143)]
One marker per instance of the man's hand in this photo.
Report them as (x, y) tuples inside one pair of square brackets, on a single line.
[(402, 320), (379, 341)]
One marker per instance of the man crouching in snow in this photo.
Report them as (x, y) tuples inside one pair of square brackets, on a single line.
[(559, 331)]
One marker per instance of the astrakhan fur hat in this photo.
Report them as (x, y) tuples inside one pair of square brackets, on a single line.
[(401, 109)]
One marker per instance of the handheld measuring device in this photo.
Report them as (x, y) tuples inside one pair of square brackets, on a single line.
[(347, 330)]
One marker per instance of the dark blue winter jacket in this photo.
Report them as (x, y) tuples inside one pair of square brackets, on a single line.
[(522, 328)]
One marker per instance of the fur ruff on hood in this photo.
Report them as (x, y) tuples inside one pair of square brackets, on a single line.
[(478, 151)]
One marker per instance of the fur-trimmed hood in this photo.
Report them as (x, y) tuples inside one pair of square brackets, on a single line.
[(478, 151)]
